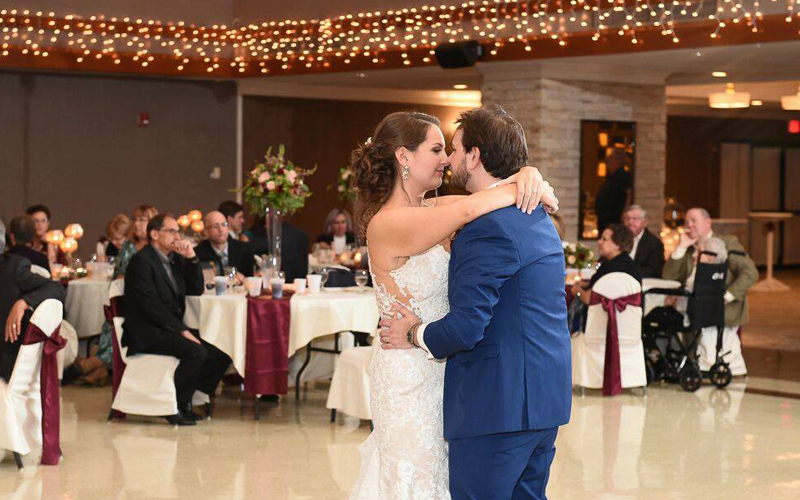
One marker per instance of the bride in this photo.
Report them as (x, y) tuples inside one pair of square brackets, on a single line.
[(408, 237)]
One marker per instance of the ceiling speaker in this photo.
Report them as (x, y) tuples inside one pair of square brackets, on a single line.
[(459, 55)]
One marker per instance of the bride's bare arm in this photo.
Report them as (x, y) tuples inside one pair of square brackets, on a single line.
[(409, 231)]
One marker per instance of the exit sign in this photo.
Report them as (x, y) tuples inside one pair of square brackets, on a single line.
[(794, 126)]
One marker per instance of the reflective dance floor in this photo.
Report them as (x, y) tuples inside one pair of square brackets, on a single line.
[(734, 444)]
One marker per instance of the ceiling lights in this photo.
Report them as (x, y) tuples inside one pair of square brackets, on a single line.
[(730, 99), (791, 102), (719, 74)]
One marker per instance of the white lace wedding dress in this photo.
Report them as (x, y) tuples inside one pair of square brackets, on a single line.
[(405, 457)]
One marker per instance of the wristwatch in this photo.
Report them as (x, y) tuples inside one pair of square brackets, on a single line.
[(412, 333)]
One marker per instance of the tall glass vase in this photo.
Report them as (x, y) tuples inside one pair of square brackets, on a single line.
[(275, 218)]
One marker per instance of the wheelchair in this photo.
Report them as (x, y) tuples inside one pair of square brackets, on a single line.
[(671, 347)]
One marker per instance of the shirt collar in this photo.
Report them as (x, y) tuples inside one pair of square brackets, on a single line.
[(220, 251), (161, 256)]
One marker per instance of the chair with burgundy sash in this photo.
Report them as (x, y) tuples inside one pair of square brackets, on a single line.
[(30, 401), (143, 384), (68, 354), (610, 353)]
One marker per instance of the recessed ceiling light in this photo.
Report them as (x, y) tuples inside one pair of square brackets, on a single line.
[(460, 86), (719, 74), (360, 75), (756, 102)]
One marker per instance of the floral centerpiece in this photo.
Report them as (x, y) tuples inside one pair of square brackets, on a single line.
[(578, 256), (276, 188), (347, 192), (277, 183)]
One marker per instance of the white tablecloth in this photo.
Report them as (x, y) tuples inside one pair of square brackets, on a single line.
[(334, 310), (222, 320), (651, 301), (84, 305)]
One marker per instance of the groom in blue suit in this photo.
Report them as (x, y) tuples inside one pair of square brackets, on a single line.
[(508, 378)]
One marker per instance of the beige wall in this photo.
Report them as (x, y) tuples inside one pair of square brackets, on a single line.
[(551, 112)]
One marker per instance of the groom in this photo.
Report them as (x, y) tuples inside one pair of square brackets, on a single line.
[(508, 378)]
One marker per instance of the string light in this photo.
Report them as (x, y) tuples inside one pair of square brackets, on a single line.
[(404, 36)]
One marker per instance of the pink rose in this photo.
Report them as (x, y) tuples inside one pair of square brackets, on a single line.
[(271, 185), (263, 178), (291, 175)]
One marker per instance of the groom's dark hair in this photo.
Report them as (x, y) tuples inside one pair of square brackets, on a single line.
[(498, 136)]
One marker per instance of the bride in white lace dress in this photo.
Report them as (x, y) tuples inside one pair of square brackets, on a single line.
[(405, 457)]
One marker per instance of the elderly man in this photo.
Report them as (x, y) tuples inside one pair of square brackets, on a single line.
[(647, 251), (742, 274), (224, 251), (157, 281)]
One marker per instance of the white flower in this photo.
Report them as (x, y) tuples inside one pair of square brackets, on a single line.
[(291, 175), (571, 259), (564, 245), (271, 185), (572, 247)]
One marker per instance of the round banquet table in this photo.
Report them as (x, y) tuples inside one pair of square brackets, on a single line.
[(84, 305), (222, 320)]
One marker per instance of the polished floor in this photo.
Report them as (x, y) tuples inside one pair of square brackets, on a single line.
[(668, 445), (771, 341)]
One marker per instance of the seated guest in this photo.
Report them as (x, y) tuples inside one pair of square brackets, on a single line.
[(338, 231), (20, 291), (116, 234), (613, 246), (22, 232), (222, 251), (41, 217), (742, 272), (234, 214), (647, 251), (294, 251), (157, 281), (137, 238)]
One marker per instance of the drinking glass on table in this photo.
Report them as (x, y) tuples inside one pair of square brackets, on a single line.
[(325, 273), (277, 285), (362, 277), (230, 275)]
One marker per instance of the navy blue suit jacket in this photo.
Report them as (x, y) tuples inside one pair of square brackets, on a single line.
[(505, 338)]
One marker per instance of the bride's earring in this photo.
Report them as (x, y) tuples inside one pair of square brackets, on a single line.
[(405, 172)]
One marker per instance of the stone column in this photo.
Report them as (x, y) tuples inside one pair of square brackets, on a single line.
[(551, 111)]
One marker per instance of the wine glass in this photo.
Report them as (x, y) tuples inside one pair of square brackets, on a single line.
[(230, 274), (326, 273), (362, 277)]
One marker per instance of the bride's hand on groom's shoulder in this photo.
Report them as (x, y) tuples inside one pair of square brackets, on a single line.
[(394, 332), (532, 189)]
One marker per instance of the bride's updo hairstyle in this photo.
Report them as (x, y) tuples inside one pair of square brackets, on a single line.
[(374, 164)]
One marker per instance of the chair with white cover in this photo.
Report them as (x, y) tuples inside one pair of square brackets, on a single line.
[(67, 355), (20, 398), (350, 387), (144, 384), (589, 347)]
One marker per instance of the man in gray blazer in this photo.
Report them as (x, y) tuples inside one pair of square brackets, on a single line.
[(21, 291)]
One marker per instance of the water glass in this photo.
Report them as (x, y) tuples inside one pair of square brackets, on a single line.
[(254, 286), (300, 285), (314, 281), (277, 285), (362, 277), (220, 284)]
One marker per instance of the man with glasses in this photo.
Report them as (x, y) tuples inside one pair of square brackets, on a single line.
[(647, 251), (223, 251), (157, 281)]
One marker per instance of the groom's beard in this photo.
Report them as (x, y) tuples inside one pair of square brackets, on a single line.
[(460, 176)]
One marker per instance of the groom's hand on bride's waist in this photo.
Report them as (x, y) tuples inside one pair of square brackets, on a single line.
[(394, 333)]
